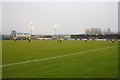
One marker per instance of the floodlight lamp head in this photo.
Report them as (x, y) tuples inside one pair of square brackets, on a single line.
[(56, 26), (31, 24)]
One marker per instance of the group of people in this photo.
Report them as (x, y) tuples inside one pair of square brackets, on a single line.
[(29, 39), (59, 39), (113, 41)]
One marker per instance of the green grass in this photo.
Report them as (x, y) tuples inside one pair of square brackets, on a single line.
[(97, 64)]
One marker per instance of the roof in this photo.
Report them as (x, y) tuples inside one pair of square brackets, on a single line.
[(23, 33)]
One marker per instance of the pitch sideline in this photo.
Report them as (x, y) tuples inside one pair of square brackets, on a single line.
[(54, 57)]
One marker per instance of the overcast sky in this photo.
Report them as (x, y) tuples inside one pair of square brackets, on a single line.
[(71, 17)]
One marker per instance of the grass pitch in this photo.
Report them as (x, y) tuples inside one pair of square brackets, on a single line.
[(96, 64)]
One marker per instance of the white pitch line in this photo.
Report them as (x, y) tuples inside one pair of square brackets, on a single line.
[(54, 57)]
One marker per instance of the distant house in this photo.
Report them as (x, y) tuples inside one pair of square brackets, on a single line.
[(23, 34), (19, 35)]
